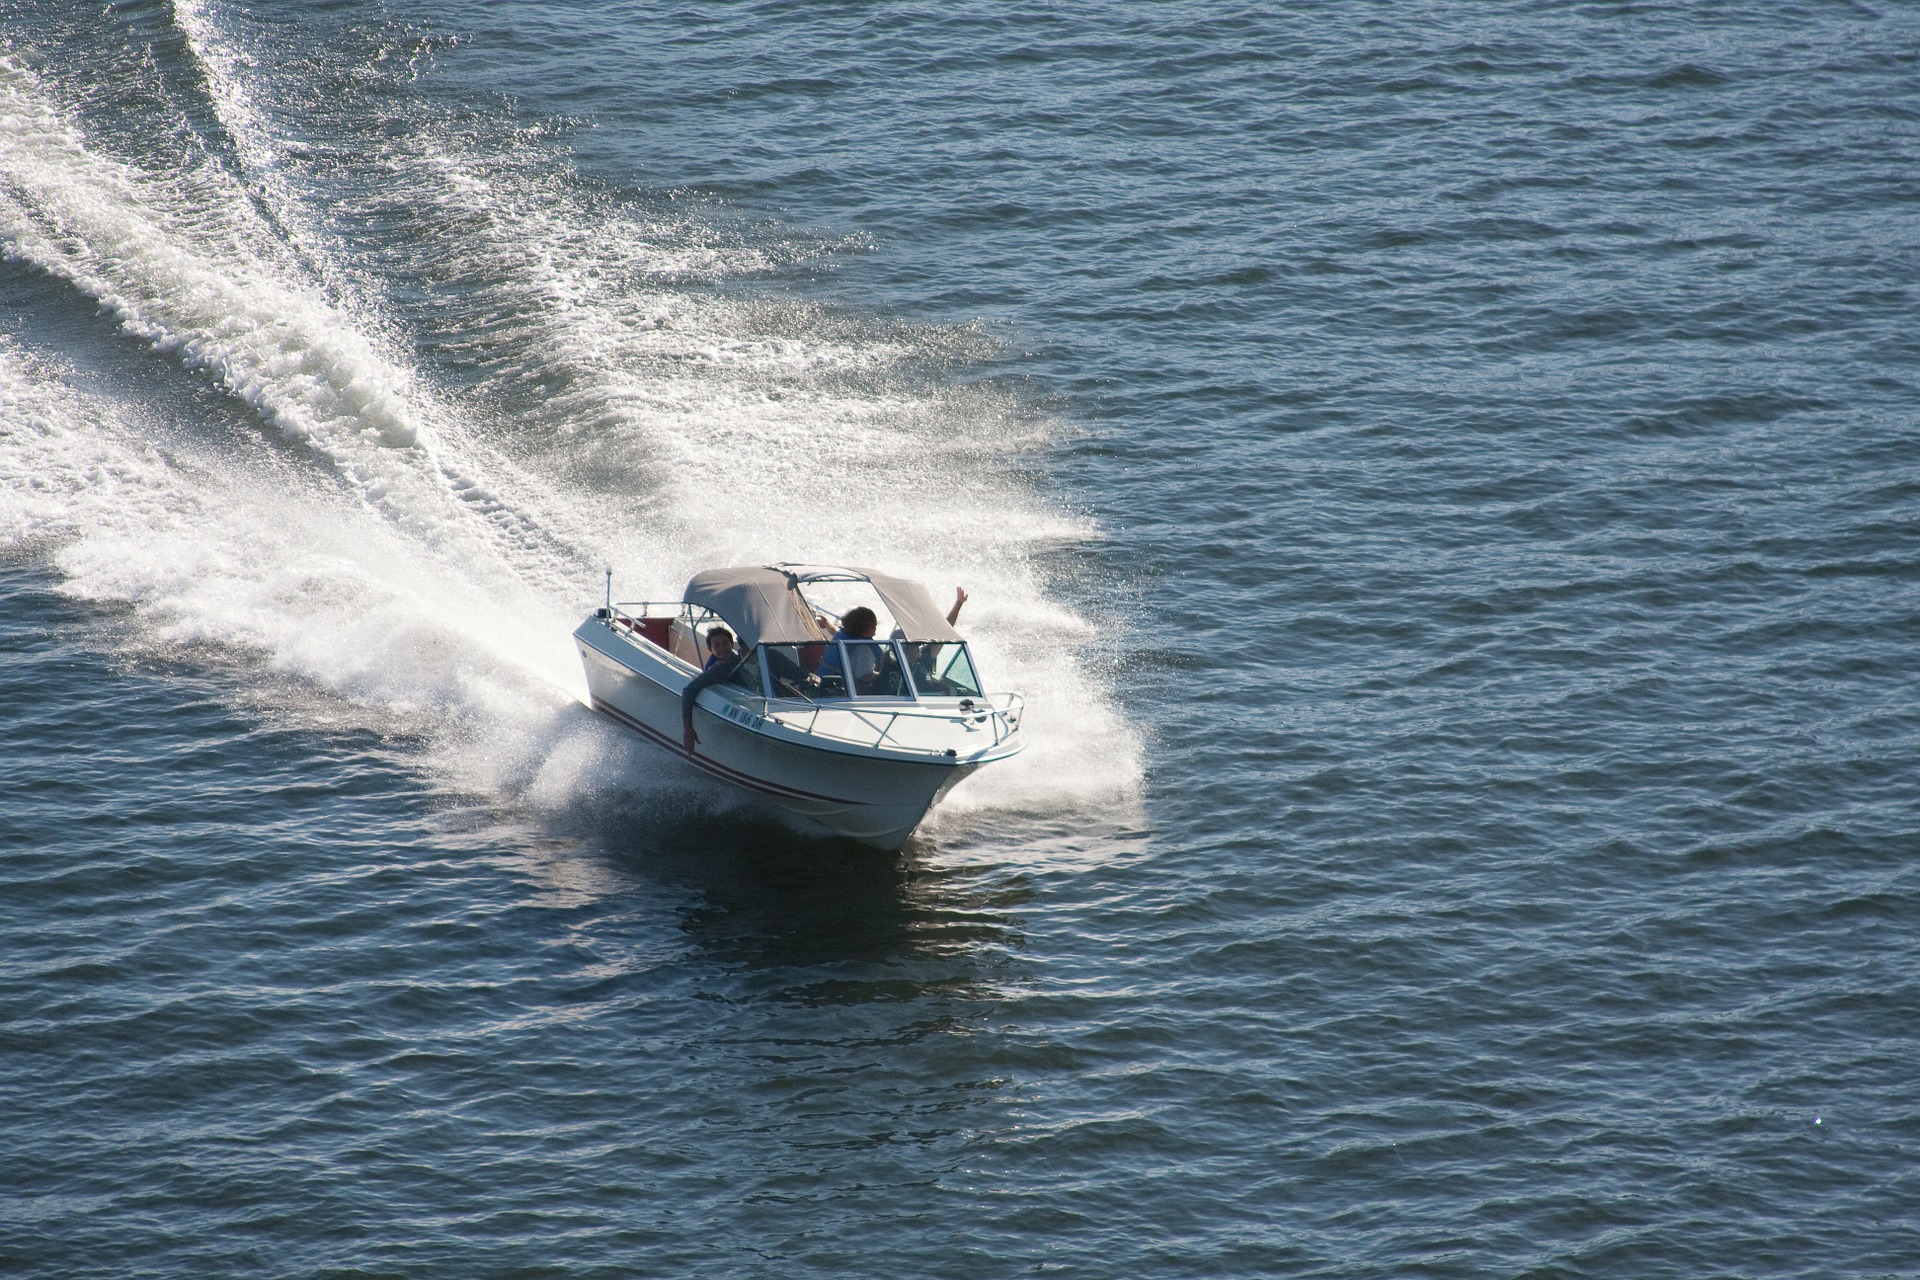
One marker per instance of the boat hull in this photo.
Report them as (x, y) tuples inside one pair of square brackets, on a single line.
[(872, 798)]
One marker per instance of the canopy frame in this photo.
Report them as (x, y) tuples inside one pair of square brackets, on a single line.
[(763, 604)]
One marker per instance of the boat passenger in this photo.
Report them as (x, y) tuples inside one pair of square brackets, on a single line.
[(855, 624), (953, 616), (722, 661), (921, 657)]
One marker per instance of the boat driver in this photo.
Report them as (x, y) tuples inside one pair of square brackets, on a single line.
[(722, 661), (855, 624)]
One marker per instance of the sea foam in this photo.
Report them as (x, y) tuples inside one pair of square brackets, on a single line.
[(427, 561)]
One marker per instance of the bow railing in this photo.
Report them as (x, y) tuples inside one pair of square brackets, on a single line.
[(1002, 711)]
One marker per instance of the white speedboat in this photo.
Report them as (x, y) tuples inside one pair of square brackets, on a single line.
[(859, 736)]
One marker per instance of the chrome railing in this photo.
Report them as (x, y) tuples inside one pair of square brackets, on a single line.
[(620, 615), (1004, 718)]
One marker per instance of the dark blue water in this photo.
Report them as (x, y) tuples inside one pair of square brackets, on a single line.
[(1445, 476)]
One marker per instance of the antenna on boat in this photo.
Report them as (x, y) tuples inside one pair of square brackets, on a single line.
[(609, 591)]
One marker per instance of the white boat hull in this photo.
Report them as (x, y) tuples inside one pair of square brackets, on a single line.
[(873, 795)]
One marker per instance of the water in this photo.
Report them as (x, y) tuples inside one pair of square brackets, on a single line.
[(1444, 475)]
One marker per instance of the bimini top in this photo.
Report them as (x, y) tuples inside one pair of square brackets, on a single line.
[(763, 604)]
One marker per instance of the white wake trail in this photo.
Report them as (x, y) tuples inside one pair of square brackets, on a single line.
[(275, 343), (392, 579), (806, 442), (216, 552), (431, 575)]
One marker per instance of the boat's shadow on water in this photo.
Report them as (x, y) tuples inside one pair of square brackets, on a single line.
[(769, 897)]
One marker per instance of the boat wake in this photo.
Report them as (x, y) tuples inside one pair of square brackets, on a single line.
[(455, 382)]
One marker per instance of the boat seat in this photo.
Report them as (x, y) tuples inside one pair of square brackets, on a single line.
[(654, 629)]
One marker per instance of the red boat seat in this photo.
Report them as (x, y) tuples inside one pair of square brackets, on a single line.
[(654, 629)]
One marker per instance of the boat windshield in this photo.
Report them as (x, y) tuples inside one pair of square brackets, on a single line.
[(790, 669), (747, 676), (837, 669), (943, 670)]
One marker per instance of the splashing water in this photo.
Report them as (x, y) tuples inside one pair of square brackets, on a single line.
[(422, 552)]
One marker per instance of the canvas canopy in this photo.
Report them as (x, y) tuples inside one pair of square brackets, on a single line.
[(763, 604), (912, 607), (760, 605)]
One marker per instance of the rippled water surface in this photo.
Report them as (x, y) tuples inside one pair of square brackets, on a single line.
[(1444, 474)]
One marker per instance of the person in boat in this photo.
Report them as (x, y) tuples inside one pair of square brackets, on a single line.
[(921, 656), (722, 661), (855, 624)]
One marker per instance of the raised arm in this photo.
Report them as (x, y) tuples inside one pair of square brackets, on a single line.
[(959, 598)]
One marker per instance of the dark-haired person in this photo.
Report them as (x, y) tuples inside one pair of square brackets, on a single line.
[(722, 661), (855, 624)]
